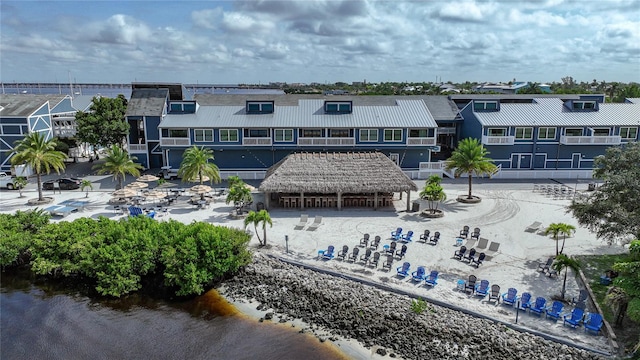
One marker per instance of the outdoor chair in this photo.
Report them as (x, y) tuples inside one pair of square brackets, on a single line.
[(375, 243), (458, 254), (574, 319), (482, 244), (396, 233), (392, 248), (533, 227), (303, 221), (354, 255), (510, 297), (343, 253), (582, 297), (432, 279), (434, 239), (492, 250), (471, 284), (316, 222), (364, 242), (425, 236), (470, 256), (525, 301), (593, 323), (373, 261), (419, 274), (408, 237), (464, 232), (482, 289), (555, 310), (545, 267), (475, 234), (478, 261), (403, 271), (328, 254), (402, 252), (539, 306), (388, 263), (365, 257), (495, 293)]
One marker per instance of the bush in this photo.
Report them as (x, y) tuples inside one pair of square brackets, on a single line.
[(16, 235)]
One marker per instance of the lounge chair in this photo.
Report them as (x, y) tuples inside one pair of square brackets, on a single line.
[(458, 254), (495, 293), (135, 211), (482, 244), (419, 274), (510, 297), (403, 271), (593, 323), (373, 261), (464, 233), (555, 310), (492, 250), (478, 261), (392, 248), (539, 306), (343, 253), (482, 289), (354, 255), (388, 263), (316, 222), (470, 256), (425, 236), (533, 227), (475, 234), (432, 279), (582, 297), (525, 301), (574, 319), (471, 284), (365, 257), (375, 243), (545, 267), (364, 242), (408, 237), (60, 210), (434, 239), (303, 221), (328, 254), (396, 233), (402, 252)]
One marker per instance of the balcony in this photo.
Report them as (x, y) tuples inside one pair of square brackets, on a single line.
[(327, 141), (175, 141), (134, 148), (421, 141), (446, 131), (256, 141), (498, 140), (590, 140)]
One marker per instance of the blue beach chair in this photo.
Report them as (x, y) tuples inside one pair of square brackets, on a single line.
[(403, 270), (575, 318), (539, 306), (510, 297), (419, 274), (432, 279)]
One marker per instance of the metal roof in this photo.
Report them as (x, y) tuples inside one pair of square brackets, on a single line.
[(147, 102), (82, 102), (306, 114), (552, 112), (23, 105)]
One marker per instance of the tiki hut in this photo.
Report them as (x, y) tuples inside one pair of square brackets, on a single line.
[(335, 180)]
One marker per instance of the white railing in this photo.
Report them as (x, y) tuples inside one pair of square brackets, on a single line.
[(327, 141), (421, 141), (590, 140), (256, 141), (498, 140), (446, 131), (175, 141), (431, 165), (137, 147)]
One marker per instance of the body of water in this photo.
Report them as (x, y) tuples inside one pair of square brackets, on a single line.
[(40, 322)]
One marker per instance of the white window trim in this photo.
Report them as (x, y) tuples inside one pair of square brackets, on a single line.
[(393, 133), (284, 137), (369, 132), (229, 131), (547, 128), (524, 130), (505, 130), (602, 128), (574, 128), (204, 137), (629, 128)]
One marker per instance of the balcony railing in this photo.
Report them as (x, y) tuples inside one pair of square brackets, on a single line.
[(175, 141), (256, 141), (138, 147), (498, 140), (436, 165), (327, 141), (446, 131), (590, 140), (421, 141)]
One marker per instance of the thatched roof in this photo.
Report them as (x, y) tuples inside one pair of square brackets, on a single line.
[(329, 173)]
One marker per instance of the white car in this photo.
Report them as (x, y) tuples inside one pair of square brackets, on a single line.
[(7, 181)]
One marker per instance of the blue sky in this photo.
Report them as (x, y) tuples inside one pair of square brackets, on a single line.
[(319, 41)]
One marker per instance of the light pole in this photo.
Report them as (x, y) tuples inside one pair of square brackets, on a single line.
[(286, 242)]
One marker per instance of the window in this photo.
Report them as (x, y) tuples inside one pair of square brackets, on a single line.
[(419, 133), (256, 133), (340, 133), (497, 132), (601, 132), (485, 106), (283, 134), (313, 133), (203, 135), (392, 134), (630, 133), (573, 132), (584, 105), (228, 135), (368, 135), (175, 133), (11, 129), (259, 107), (338, 107), (524, 133), (548, 133)]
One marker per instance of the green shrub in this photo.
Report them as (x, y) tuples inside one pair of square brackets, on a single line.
[(16, 234), (419, 306)]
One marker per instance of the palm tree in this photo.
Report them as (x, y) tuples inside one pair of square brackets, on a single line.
[(119, 163), (239, 194), (567, 230), (256, 218), (20, 182), (40, 154), (433, 193), (557, 229), (470, 157), (86, 184), (564, 262), (195, 165)]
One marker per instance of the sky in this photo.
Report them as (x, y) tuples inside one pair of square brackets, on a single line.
[(324, 41)]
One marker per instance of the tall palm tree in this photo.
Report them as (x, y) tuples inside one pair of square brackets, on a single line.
[(119, 163), (564, 262), (40, 154), (470, 157), (256, 218), (567, 230), (557, 229), (195, 165)]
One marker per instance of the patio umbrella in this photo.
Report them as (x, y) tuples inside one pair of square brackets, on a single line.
[(200, 189), (251, 188), (124, 193), (137, 185), (197, 179), (155, 195), (148, 178)]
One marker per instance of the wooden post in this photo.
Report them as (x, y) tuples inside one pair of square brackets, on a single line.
[(375, 201), (408, 200), (301, 201), (267, 200), (339, 201)]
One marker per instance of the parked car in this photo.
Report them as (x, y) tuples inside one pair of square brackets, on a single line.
[(65, 184), (7, 181)]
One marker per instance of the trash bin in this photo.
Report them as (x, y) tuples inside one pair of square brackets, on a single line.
[(592, 186), (416, 207), (260, 206)]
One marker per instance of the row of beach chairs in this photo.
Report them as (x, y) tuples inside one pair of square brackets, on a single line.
[(554, 190), (304, 219)]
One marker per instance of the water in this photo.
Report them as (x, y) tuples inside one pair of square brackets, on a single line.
[(44, 322)]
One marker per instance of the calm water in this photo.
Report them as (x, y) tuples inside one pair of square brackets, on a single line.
[(39, 322)]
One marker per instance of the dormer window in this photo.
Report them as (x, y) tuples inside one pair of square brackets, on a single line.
[(485, 105), (582, 105), (260, 107), (338, 107)]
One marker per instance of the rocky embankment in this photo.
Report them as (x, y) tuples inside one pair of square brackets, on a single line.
[(351, 310)]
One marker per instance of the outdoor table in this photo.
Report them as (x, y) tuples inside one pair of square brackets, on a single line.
[(461, 285), (459, 241)]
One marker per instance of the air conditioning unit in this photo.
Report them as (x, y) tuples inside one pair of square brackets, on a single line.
[(435, 149)]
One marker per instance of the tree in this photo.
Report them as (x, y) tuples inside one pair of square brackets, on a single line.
[(256, 218), (195, 165), (567, 230), (433, 193), (564, 262), (40, 154), (86, 184), (629, 279), (470, 157), (239, 194), (119, 164), (105, 124), (612, 212), (557, 229), (20, 182)]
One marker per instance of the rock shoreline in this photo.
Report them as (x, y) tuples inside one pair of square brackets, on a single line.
[(346, 309)]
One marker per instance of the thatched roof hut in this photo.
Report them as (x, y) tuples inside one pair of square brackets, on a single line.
[(330, 173)]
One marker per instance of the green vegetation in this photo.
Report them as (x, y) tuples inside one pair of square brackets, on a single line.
[(256, 218), (239, 194), (557, 229), (418, 306), (433, 192), (470, 157), (195, 165), (564, 262), (116, 255), (119, 164), (40, 154), (104, 124), (20, 182), (86, 184)]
